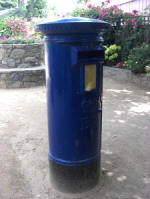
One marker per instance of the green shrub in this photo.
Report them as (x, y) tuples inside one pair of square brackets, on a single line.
[(139, 57), (112, 54), (4, 28), (128, 30), (38, 9), (147, 69), (86, 12), (18, 30), (20, 41), (4, 4), (13, 27), (18, 27)]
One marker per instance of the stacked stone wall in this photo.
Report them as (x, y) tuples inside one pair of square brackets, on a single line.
[(21, 65), (21, 55)]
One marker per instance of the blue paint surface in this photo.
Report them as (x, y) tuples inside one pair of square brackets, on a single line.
[(74, 115)]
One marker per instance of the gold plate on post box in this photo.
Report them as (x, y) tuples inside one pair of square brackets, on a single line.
[(89, 77)]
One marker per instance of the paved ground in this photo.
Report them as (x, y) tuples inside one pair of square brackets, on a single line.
[(126, 145)]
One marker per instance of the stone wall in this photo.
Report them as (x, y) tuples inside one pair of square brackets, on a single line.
[(22, 77), (141, 80), (21, 55), (22, 65)]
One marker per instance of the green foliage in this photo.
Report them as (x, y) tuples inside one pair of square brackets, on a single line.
[(4, 4), (147, 69), (139, 57), (34, 8), (104, 12), (38, 8), (19, 41), (112, 54), (128, 30), (36, 35), (4, 29), (84, 12), (52, 11), (147, 10), (13, 27), (18, 30)]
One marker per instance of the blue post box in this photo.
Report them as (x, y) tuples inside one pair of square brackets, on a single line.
[(74, 80)]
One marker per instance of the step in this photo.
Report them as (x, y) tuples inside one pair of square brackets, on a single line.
[(22, 77)]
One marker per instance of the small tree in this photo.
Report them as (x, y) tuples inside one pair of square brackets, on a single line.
[(4, 4), (36, 8)]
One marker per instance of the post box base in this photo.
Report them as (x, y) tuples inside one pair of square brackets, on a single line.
[(74, 179)]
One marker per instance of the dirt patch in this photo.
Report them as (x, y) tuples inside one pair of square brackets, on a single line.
[(125, 152)]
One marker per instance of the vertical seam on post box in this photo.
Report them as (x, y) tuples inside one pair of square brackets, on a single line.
[(82, 78)]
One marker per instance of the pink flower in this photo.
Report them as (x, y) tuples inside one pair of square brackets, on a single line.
[(116, 7), (82, 12), (147, 41), (3, 37), (103, 3), (89, 6), (101, 14), (134, 11), (107, 1), (135, 27), (133, 21), (117, 65), (134, 36), (110, 17), (105, 11), (127, 24), (26, 35)]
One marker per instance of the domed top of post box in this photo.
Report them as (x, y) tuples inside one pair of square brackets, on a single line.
[(72, 25)]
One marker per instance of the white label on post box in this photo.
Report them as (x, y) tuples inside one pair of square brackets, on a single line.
[(90, 77)]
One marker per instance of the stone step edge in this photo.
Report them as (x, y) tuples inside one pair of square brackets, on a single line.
[(126, 76), (22, 77), (37, 68)]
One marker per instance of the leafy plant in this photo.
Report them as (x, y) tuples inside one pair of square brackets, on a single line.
[(17, 27), (20, 41), (7, 4), (147, 69), (139, 57), (112, 54), (128, 30), (36, 8), (4, 29)]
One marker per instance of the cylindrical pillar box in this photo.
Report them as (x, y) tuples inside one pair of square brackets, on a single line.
[(74, 76)]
